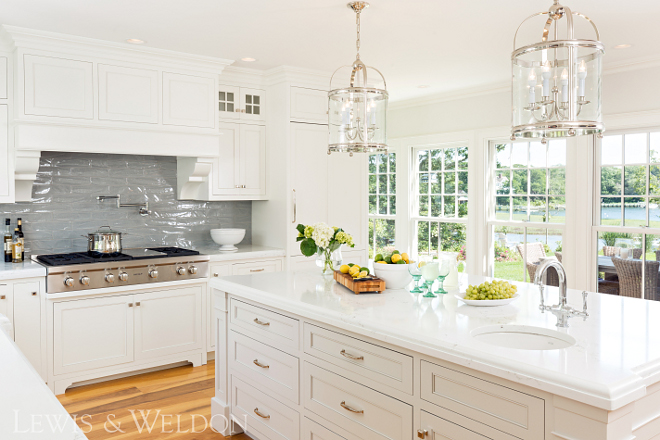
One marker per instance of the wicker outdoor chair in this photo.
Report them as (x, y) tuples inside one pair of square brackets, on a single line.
[(637, 253), (630, 277), (536, 251), (611, 251), (609, 287), (657, 255), (558, 255)]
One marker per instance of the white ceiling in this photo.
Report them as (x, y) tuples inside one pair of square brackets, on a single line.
[(447, 45)]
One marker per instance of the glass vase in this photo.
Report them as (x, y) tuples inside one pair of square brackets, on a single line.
[(329, 261)]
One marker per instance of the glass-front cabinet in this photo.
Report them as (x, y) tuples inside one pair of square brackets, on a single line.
[(241, 103)]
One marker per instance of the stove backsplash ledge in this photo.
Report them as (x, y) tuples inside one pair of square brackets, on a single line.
[(64, 205)]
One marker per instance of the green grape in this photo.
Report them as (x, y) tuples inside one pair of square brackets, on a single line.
[(490, 290)]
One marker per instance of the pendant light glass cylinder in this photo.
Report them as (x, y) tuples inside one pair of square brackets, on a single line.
[(357, 118), (557, 86)]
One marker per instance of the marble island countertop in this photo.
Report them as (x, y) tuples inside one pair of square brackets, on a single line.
[(617, 354)]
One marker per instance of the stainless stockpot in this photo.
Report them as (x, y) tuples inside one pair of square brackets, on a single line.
[(104, 241)]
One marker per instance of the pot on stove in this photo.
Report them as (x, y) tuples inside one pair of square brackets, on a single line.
[(104, 241)]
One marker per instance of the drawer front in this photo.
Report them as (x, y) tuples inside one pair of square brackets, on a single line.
[(441, 429), (264, 366), (263, 416), (360, 410), (495, 405), (264, 325), (315, 431), (375, 363), (256, 267)]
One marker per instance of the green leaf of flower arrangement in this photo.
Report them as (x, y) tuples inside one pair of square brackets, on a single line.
[(301, 228), (308, 247)]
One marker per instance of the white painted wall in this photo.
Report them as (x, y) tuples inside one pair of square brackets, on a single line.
[(623, 92)]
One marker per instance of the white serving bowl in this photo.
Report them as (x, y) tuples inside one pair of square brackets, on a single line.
[(396, 276), (227, 238)]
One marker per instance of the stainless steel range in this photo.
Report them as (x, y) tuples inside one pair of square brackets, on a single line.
[(83, 271)]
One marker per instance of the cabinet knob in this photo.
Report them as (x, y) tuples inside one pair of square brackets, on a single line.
[(422, 433), (137, 304), (34, 293), (3, 296), (215, 274)]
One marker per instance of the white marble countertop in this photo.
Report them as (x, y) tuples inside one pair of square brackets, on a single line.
[(26, 269), (28, 409), (617, 354), (244, 252)]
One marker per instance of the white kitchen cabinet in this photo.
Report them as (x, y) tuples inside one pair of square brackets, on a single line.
[(216, 270), (253, 267), (128, 94), (4, 78), (168, 322), (440, 429), (309, 105), (188, 100), (92, 333), (310, 180), (5, 170), (28, 321), (240, 167), (7, 301), (58, 87), (241, 103), (347, 176)]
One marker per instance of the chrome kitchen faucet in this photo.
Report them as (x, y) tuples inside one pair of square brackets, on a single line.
[(562, 310)]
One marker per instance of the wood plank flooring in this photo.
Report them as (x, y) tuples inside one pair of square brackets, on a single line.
[(167, 400)]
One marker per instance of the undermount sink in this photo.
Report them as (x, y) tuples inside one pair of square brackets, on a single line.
[(523, 337)]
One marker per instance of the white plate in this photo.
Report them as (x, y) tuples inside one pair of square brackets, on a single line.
[(486, 302)]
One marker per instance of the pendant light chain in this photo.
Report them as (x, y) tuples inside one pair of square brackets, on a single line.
[(357, 43)]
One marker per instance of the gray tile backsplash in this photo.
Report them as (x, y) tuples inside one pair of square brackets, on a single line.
[(64, 204)]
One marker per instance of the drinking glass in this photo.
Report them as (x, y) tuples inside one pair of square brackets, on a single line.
[(416, 272), (430, 271), (444, 266)]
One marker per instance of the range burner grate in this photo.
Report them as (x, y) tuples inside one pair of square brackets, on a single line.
[(87, 258)]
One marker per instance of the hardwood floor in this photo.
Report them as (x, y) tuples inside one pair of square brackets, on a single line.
[(168, 401)]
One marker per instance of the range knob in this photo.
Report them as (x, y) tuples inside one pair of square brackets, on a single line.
[(84, 280), (192, 270), (181, 270), (123, 276), (110, 278), (68, 282), (153, 273)]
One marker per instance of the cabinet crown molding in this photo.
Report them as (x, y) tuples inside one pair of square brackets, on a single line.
[(32, 39)]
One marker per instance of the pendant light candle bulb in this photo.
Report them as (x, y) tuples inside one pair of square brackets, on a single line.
[(545, 75), (582, 76), (564, 85), (531, 81)]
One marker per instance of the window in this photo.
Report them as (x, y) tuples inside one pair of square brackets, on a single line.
[(440, 208), (252, 104), (529, 205), (382, 203), (226, 100), (628, 215)]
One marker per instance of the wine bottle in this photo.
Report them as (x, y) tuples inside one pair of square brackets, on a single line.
[(19, 223), (8, 241), (17, 254)]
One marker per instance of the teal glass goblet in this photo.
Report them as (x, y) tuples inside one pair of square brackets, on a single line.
[(416, 273), (443, 271), (430, 272)]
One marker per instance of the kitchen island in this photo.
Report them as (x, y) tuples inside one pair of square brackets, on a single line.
[(302, 356)]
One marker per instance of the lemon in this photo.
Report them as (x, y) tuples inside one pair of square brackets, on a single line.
[(405, 257), (396, 258), (344, 268), (363, 274), (421, 264), (381, 262), (353, 270)]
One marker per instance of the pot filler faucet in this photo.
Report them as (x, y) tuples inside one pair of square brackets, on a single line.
[(562, 310)]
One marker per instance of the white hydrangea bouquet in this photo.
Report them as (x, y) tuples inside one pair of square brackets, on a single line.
[(325, 242)]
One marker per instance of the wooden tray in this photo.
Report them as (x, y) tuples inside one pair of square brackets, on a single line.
[(374, 285)]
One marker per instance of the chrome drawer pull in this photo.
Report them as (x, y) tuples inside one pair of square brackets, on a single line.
[(257, 412), (258, 364), (261, 323), (350, 356), (257, 270), (343, 405)]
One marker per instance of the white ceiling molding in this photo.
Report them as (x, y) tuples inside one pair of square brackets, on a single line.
[(89, 47), (243, 75), (311, 78), (611, 68)]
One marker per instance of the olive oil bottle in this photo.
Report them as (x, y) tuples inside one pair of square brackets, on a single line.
[(8, 241)]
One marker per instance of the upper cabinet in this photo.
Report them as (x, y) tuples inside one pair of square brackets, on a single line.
[(188, 100), (4, 78), (128, 94), (58, 87), (309, 105), (242, 104)]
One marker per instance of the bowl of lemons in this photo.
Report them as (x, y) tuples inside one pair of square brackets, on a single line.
[(393, 269)]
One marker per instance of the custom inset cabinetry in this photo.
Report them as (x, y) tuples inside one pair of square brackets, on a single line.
[(128, 94), (188, 100), (241, 103), (240, 168)]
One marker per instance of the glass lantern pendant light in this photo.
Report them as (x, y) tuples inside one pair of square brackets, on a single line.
[(357, 110), (556, 90)]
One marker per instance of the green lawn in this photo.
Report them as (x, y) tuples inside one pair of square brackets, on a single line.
[(510, 270)]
